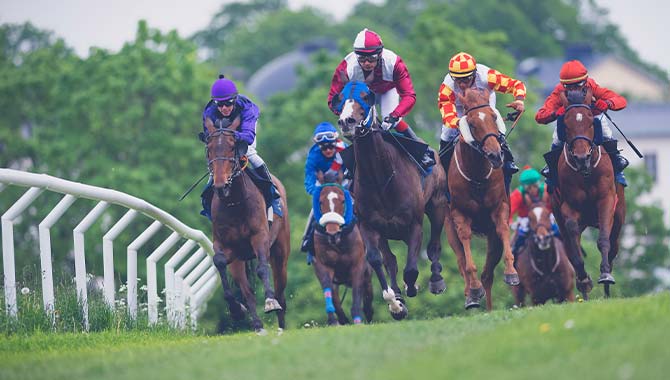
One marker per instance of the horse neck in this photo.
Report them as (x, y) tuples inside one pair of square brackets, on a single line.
[(472, 162), (373, 158), (544, 260), (239, 194)]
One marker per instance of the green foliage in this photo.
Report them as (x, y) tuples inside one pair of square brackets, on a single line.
[(577, 340)]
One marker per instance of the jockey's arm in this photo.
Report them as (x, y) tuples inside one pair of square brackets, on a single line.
[(547, 113), (515, 201), (405, 88), (615, 101), (249, 117), (337, 84), (446, 103), (502, 83), (310, 174)]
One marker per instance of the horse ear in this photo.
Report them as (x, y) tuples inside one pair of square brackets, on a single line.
[(589, 96), (319, 176), (563, 98), (209, 124)]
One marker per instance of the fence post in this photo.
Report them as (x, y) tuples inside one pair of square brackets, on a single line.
[(131, 281), (152, 282)]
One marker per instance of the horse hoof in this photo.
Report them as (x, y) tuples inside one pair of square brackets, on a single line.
[(438, 287), (474, 298), (271, 305), (512, 279), (261, 332), (280, 331), (585, 285), (606, 278), (411, 292), (402, 314)]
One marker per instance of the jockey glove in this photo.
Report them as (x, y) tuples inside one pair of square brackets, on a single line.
[(560, 111), (242, 147), (389, 122), (602, 105)]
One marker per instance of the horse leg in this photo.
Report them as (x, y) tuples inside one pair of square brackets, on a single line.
[(239, 273), (474, 287), (368, 310), (619, 217), (337, 301), (221, 261), (411, 272), (457, 247), (436, 216), (261, 246), (279, 262), (571, 232), (605, 223), (357, 284), (493, 254), (390, 263), (374, 258), (501, 219)]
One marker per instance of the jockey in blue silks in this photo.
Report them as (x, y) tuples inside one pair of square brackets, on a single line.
[(225, 108), (323, 156)]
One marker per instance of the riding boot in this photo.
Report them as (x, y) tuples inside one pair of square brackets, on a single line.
[(270, 192), (307, 244), (427, 160), (206, 199), (619, 162), (446, 151), (509, 167), (550, 172), (519, 242)]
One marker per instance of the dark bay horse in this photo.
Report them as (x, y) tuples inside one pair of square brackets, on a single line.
[(479, 204), (339, 253), (544, 269), (241, 231), (391, 199), (587, 195)]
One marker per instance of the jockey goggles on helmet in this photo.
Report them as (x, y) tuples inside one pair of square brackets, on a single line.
[(367, 57), (325, 137), (227, 102)]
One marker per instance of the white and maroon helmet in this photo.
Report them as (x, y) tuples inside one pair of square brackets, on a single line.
[(368, 42)]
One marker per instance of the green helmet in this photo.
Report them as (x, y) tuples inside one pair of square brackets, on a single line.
[(530, 176)]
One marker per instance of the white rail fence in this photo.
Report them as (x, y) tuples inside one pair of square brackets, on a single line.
[(188, 283)]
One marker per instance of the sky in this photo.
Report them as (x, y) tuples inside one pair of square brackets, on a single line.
[(110, 23)]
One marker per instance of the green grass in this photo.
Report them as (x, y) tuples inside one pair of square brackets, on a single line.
[(614, 339)]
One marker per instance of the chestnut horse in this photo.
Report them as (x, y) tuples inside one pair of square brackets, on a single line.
[(544, 269), (339, 253), (587, 195), (479, 201), (241, 231), (391, 199)]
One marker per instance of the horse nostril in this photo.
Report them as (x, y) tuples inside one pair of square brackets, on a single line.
[(351, 120)]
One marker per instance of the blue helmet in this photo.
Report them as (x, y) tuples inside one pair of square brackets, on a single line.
[(324, 133)]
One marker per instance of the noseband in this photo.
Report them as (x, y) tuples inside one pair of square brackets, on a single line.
[(569, 151), (237, 168), (479, 145)]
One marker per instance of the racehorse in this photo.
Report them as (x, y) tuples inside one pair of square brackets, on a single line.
[(587, 195), (241, 231), (479, 200), (391, 198), (544, 269), (339, 253)]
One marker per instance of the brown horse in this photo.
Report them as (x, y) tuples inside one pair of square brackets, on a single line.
[(241, 230), (339, 253), (479, 201), (391, 199), (587, 195), (544, 269)]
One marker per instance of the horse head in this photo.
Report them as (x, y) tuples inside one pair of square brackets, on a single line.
[(332, 204), (578, 125), (223, 158), (356, 106), (540, 226), (480, 123)]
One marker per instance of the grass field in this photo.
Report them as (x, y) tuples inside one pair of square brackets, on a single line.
[(615, 339)]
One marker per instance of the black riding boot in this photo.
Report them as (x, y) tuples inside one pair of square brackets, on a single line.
[(307, 244), (427, 160), (509, 167), (551, 170), (619, 162), (270, 192), (446, 151)]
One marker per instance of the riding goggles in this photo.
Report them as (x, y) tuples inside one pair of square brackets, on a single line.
[(227, 102), (574, 86), (325, 137), (367, 58), (465, 79), (327, 146)]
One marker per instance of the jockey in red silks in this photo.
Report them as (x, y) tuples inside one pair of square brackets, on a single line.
[(387, 76), (464, 73), (574, 76)]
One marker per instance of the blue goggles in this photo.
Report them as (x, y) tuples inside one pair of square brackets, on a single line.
[(325, 136)]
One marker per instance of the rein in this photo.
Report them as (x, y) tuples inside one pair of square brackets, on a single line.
[(567, 148), (553, 269), (237, 168)]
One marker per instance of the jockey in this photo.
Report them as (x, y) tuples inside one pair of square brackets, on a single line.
[(324, 156), (574, 76), (531, 191), (225, 108), (464, 73), (387, 77)]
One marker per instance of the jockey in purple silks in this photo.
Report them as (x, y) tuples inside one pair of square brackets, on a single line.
[(224, 108)]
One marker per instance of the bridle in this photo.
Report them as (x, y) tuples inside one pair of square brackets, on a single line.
[(568, 148), (235, 159), (479, 147)]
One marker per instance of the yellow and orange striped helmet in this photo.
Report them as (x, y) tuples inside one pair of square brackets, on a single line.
[(462, 65)]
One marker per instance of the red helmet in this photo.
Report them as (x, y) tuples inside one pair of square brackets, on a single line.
[(573, 72), (462, 65), (368, 42)]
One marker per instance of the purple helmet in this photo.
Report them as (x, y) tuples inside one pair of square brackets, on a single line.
[(223, 89)]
